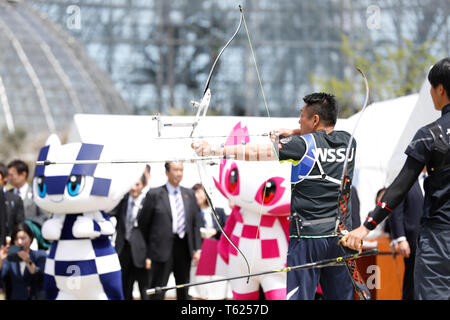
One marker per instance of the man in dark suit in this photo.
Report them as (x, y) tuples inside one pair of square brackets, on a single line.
[(171, 220), (405, 227), (2, 219), (14, 210), (130, 243)]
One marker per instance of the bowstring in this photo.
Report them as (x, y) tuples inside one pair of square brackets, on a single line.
[(268, 114)]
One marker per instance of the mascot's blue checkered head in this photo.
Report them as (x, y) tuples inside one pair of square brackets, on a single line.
[(81, 263)]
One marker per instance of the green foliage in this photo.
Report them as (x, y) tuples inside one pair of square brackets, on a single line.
[(391, 72)]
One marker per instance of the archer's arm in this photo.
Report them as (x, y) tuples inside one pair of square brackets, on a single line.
[(391, 199), (247, 152)]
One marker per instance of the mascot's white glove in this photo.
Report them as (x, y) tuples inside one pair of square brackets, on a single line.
[(83, 227), (107, 227), (51, 229)]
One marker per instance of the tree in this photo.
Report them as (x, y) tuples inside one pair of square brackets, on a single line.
[(391, 73), (395, 57)]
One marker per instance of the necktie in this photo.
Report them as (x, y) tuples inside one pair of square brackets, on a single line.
[(129, 221), (180, 214)]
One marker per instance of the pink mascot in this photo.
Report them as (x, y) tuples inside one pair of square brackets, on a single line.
[(258, 223)]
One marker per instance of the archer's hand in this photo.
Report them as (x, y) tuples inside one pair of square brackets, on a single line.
[(202, 148), (276, 135), (354, 239)]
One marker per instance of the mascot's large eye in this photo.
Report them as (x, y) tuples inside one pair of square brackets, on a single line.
[(233, 180), (74, 185), (41, 186), (269, 191)]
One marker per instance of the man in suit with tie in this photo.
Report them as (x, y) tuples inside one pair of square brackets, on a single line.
[(130, 243), (17, 176), (405, 227), (171, 220)]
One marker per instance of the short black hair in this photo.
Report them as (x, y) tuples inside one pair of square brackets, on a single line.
[(324, 105), (440, 74), (20, 166)]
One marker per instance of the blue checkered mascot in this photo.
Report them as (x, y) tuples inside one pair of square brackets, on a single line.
[(81, 262)]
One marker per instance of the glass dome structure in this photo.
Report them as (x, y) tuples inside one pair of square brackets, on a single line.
[(46, 76)]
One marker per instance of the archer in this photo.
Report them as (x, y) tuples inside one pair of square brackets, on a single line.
[(429, 147), (317, 153)]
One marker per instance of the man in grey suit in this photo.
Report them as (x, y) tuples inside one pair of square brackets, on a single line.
[(171, 219), (17, 176)]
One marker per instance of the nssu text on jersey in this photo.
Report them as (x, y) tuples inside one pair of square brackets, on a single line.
[(317, 155)]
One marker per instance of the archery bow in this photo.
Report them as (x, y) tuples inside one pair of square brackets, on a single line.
[(344, 196), (202, 109), (332, 262), (201, 114)]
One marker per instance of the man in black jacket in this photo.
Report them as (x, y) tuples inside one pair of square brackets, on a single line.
[(171, 220), (130, 243), (430, 147), (14, 209), (404, 229)]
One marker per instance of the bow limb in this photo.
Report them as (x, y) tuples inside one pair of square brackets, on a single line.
[(204, 178), (208, 80), (349, 147), (344, 196), (344, 189)]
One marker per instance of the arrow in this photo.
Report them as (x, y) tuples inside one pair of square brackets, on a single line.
[(122, 161)]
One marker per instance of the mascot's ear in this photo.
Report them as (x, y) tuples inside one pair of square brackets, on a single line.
[(53, 140)]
